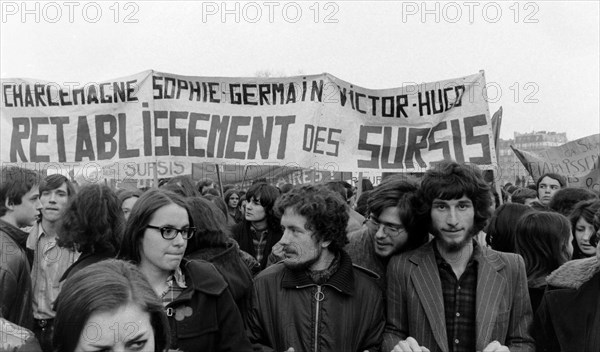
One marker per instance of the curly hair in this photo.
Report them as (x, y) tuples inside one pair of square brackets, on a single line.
[(450, 180), (93, 222), (325, 212)]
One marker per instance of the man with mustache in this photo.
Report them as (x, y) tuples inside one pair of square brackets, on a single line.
[(315, 299), (453, 294), (49, 260)]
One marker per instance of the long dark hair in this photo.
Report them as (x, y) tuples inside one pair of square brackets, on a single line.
[(104, 287), (542, 239), (500, 233), (586, 210), (210, 224)]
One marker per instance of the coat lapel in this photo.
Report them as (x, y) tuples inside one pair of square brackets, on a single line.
[(490, 287), (427, 283)]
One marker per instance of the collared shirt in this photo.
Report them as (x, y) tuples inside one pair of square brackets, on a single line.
[(459, 302), (49, 264), (259, 239)]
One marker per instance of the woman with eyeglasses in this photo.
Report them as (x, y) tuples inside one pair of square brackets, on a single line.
[(201, 312)]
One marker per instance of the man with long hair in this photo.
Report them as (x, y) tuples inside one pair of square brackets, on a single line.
[(453, 294), (49, 260)]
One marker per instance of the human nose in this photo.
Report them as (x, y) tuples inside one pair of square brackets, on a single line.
[(285, 238), (380, 232), (38, 204), (587, 234), (452, 217), (179, 240)]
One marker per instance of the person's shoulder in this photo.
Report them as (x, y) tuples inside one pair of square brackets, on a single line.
[(12, 256), (364, 272), (414, 256), (204, 277), (272, 272)]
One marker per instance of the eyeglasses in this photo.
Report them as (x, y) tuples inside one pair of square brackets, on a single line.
[(391, 230), (169, 233)]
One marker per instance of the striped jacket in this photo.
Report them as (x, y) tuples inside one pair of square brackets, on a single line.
[(416, 306)]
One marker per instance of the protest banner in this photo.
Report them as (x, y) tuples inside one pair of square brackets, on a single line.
[(243, 175), (578, 160), (155, 122)]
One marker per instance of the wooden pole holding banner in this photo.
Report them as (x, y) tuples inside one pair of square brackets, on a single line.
[(359, 189), (219, 178), (155, 176)]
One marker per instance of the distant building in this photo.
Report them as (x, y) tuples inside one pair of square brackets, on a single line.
[(511, 169)]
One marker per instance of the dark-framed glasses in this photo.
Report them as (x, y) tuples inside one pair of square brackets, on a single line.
[(392, 230), (169, 232)]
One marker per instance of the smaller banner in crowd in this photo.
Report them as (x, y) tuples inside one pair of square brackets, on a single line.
[(243, 175), (578, 160)]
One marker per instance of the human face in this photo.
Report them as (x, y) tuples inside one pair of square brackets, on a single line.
[(386, 245), (26, 213), (255, 212), (128, 205), (126, 328), (546, 189), (233, 201), (583, 231), (452, 222), (54, 203), (157, 253), (300, 248)]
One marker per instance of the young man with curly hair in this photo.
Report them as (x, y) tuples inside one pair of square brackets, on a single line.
[(315, 299), (453, 294)]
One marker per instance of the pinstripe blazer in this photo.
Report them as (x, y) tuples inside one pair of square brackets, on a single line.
[(416, 305)]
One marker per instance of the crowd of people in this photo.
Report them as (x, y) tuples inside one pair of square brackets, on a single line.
[(428, 264)]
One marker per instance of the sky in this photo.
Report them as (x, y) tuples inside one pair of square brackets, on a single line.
[(541, 59)]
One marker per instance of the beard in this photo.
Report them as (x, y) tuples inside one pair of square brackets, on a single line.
[(303, 264), (451, 246)]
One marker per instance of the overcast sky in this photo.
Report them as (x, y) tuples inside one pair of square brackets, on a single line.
[(541, 59)]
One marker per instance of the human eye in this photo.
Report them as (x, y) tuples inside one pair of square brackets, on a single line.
[(553, 187), (464, 206), (439, 206), (137, 345), (168, 231), (45, 194)]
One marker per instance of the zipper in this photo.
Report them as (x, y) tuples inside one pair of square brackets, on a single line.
[(319, 296)]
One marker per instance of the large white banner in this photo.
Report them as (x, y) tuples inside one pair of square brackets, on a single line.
[(132, 126)]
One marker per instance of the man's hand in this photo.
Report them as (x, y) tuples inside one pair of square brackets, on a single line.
[(409, 345), (495, 346)]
